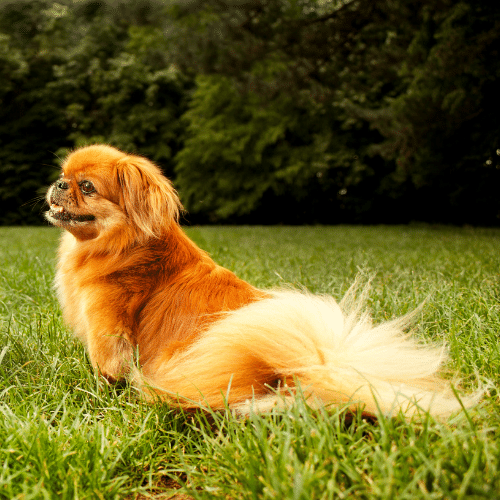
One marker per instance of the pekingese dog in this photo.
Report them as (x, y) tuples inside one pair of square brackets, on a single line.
[(152, 307)]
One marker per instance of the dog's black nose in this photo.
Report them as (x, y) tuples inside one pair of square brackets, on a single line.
[(62, 185)]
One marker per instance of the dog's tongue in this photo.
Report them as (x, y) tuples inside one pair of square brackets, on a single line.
[(56, 208)]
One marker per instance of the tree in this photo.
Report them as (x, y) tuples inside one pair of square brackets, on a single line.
[(263, 132), (404, 69), (122, 88), (80, 72), (332, 111), (276, 160), (442, 129)]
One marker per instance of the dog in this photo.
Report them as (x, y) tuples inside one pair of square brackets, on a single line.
[(153, 308)]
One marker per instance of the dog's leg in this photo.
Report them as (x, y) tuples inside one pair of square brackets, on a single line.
[(111, 352)]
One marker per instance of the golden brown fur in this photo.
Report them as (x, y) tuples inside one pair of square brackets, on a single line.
[(130, 281)]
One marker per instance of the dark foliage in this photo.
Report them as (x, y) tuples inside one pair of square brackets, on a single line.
[(268, 111)]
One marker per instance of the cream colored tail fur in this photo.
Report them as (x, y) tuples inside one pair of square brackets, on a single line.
[(333, 350)]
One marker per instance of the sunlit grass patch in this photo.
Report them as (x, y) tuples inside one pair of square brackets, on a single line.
[(65, 434)]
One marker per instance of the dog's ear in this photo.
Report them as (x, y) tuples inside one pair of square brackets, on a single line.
[(147, 196)]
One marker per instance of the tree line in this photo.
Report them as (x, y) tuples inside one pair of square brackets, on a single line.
[(266, 111)]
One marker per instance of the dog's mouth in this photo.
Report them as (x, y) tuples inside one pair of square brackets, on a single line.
[(59, 213)]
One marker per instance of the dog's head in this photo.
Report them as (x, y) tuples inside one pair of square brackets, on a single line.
[(102, 191)]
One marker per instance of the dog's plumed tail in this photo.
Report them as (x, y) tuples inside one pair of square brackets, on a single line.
[(332, 350)]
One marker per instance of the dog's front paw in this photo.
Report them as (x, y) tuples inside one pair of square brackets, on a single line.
[(111, 357)]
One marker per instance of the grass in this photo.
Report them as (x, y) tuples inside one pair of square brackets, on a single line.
[(66, 435)]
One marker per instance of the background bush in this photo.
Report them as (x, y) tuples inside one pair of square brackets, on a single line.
[(268, 111)]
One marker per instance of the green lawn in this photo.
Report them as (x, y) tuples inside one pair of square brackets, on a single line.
[(65, 435)]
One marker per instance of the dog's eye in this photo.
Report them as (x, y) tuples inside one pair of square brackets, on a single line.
[(86, 187)]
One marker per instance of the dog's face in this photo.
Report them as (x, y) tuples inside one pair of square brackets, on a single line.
[(81, 200), (102, 190)]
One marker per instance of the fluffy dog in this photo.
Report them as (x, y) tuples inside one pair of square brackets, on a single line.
[(138, 292)]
